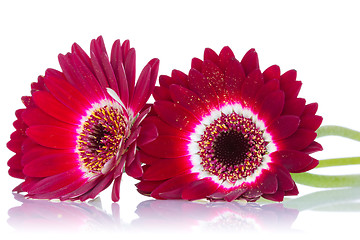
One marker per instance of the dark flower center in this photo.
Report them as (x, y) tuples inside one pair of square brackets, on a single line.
[(232, 147), (100, 137)]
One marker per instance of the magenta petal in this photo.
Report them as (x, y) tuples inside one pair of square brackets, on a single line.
[(254, 81), (311, 109), (54, 108), (272, 72), (55, 182), (35, 116), (294, 106), (146, 187), (272, 106), (288, 77), (226, 55), (234, 194), (267, 182), (210, 55), (178, 182), (167, 147), (130, 62), (167, 168), (134, 169), (250, 61), (234, 77), (161, 93), (311, 122), (202, 87), (176, 115), (148, 133), (199, 189), (216, 78), (277, 196), (51, 164), (188, 99), (100, 186), (197, 63), (312, 148), (53, 137), (115, 194), (298, 141), (283, 127), (164, 128), (67, 94), (292, 160), (283, 176), (142, 89), (179, 78), (117, 64), (291, 89)]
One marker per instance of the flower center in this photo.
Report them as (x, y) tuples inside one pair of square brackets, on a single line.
[(232, 147), (100, 137)]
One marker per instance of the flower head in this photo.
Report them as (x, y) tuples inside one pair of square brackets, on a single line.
[(228, 131), (80, 126)]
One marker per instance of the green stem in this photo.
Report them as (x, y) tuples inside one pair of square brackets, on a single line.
[(327, 181), (332, 130), (338, 162)]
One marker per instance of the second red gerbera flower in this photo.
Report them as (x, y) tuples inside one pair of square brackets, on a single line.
[(228, 131)]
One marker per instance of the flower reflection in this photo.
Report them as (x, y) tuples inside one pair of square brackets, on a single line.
[(177, 215), (35, 215)]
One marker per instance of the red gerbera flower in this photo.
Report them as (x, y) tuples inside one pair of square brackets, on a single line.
[(80, 126), (228, 131)]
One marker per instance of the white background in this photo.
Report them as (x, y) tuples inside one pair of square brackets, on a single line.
[(320, 39)]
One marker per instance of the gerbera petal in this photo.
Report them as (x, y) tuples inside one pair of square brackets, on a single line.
[(167, 168), (285, 182), (51, 136), (199, 85), (271, 73), (49, 165), (226, 55), (146, 187), (310, 109), (55, 182), (142, 89), (174, 184), (283, 127), (46, 102), (250, 61), (234, 77), (35, 116), (180, 117), (294, 106), (210, 55), (312, 148), (188, 99), (254, 81), (272, 106), (291, 89), (130, 61), (115, 193), (277, 196), (197, 63), (161, 93), (101, 63), (179, 78), (267, 182), (116, 61), (216, 78), (167, 147), (164, 128), (292, 160), (311, 122), (199, 189), (67, 94), (298, 141)]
